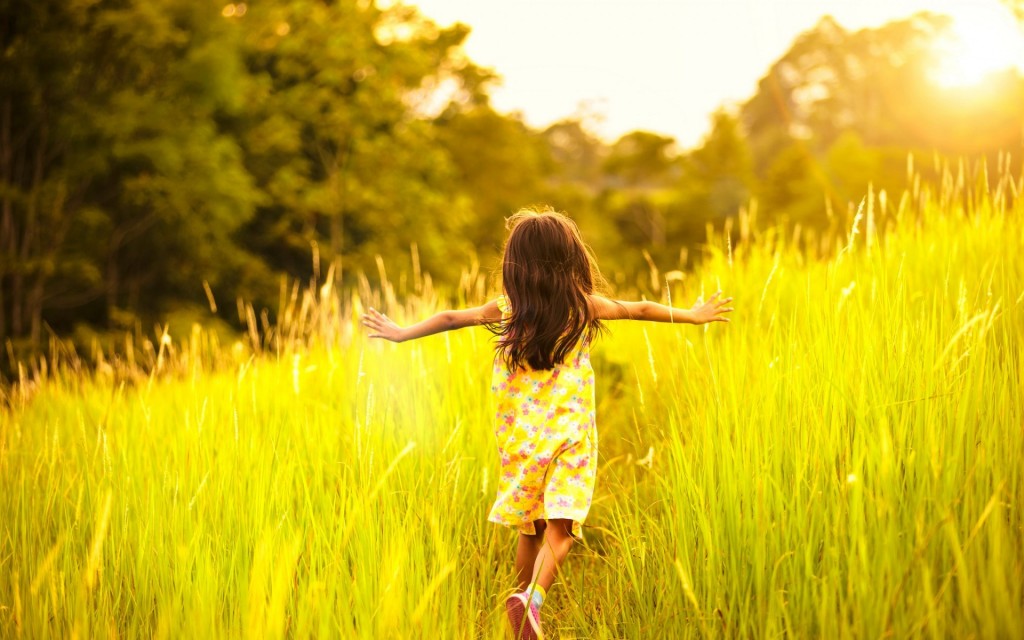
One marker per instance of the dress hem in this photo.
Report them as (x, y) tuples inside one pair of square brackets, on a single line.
[(527, 527)]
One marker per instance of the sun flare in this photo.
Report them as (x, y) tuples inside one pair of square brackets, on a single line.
[(978, 43)]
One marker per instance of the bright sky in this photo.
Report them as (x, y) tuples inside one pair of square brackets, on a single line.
[(666, 65)]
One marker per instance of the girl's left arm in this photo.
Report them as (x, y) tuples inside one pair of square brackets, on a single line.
[(383, 327), (713, 310)]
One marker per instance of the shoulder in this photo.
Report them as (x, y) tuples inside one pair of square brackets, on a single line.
[(491, 311)]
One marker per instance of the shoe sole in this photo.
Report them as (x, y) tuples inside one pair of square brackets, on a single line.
[(517, 610)]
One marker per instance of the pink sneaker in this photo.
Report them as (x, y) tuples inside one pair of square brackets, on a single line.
[(523, 614)]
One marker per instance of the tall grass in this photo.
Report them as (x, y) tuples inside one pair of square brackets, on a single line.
[(843, 460)]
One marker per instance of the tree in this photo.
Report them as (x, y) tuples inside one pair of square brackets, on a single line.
[(578, 155), (149, 147), (720, 172), (341, 137), (840, 105), (501, 165), (641, 160), (115, 180), (830, 81), (638, 169)]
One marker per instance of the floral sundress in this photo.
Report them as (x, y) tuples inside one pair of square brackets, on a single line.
[(547, 441)]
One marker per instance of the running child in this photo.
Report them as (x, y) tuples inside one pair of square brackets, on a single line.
[(543, 386)]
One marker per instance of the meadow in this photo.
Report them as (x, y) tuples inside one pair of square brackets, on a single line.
[(844, 459)]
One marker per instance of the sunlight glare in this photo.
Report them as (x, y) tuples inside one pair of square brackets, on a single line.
[(979, 43)]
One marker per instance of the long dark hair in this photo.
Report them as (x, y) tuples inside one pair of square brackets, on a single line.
[(547, 274)]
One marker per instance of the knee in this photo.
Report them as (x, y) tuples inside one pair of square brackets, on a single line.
[(560, 531)]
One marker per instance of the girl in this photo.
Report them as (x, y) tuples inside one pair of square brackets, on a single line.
[(544, 389)]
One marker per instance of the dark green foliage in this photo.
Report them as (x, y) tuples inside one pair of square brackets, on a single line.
[(119, 189), (147, 148)]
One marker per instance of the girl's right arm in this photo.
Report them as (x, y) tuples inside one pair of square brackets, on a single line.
[(384, 327), (700, 313)]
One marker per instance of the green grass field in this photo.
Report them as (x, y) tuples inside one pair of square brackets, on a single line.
[(845, 459)]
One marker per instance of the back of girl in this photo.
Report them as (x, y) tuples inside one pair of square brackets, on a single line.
[(548, 315), (543, 386)]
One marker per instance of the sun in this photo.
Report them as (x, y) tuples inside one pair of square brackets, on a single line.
[(979, 43)]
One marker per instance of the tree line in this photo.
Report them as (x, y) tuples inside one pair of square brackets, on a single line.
[(157, 154)]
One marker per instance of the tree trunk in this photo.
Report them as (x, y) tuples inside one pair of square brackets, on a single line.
[(60, 224), (6, 215), (19, 312), (35, 311), (16, 287), (112, 284)]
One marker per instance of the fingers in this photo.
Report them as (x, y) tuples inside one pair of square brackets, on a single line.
[(374, 320), (715, 307), (374, 316), (713, 300), (720, 310)]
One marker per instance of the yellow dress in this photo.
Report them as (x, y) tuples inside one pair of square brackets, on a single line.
[(547, 441)]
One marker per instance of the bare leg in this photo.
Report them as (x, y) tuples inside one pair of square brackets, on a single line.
[(526, 554), (556, 547)]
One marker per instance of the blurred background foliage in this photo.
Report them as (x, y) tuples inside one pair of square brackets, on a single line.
[(158, 156)]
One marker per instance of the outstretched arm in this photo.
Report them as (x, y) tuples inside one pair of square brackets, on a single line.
[(710, 311), (383, 327)]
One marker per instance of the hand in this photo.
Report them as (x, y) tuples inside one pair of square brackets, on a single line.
[(712, 310), (382, 326)]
